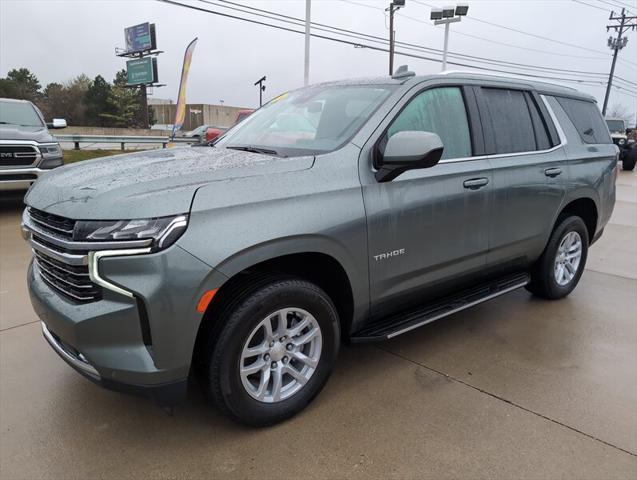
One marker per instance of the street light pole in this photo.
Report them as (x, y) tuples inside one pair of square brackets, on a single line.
[(446, 47), (446, 16), (306, 71), (261, 89)]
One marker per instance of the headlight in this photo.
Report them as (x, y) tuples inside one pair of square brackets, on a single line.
[(164, 231), (621, 141), (50, 151)]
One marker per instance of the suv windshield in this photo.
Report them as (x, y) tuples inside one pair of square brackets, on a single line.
[(19, 113), (308, 121), (616, 125)]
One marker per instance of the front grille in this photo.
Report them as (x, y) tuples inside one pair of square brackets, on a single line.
[(72, 281), (58, 226), (17, 155)]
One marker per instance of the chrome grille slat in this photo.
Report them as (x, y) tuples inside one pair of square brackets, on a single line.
[(53, 223), (57, 229), (49, 271), (67, 269), (55, 286)]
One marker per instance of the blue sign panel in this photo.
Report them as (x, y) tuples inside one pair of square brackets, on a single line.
[(140, 38)]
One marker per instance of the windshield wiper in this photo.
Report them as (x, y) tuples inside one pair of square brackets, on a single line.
[(248, 148)]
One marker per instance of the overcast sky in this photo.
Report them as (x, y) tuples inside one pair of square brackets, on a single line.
[(59, 39)]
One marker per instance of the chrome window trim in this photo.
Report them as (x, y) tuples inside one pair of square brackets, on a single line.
[(78, 362), (93, 268), (560, 134)]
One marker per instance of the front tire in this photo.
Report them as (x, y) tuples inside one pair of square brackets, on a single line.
[(274, 352), (558, 270), (629, 160)]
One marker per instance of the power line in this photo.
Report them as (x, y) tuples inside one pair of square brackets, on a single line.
[(360, 35), (592, 6), (531, 34), (541, 37), (496, 42), (615, 4), (226, 15)]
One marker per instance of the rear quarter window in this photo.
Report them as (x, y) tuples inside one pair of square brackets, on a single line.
[(587, 119)]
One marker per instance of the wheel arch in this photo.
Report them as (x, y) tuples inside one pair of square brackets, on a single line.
[(586, 209), (325, 267)]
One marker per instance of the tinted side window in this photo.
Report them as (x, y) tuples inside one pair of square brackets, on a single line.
[(441, 111), (510, 120), (587, 120)]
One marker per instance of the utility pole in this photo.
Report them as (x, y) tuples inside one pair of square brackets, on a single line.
[(261, 89), (393, 7), (306, 71), (616, 44)]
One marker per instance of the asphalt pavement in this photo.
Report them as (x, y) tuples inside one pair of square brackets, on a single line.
[(514, 388)]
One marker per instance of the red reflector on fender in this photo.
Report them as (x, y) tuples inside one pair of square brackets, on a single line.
[(205, 300)]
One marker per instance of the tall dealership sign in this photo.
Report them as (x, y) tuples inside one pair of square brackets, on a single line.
[(141, 69), (180, 113)]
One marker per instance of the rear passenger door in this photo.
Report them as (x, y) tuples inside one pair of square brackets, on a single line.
[(529, 174)]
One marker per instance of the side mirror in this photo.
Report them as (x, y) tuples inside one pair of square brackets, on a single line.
[(57, 123), (409, 150)]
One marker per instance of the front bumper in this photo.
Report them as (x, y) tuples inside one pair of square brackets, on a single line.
[(106, 341), (167, 394), (19, 178)]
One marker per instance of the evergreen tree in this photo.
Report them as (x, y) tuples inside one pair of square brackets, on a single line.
[(97, 102)]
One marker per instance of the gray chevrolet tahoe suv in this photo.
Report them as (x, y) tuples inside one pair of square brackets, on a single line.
[(349, 211), (27, 149)]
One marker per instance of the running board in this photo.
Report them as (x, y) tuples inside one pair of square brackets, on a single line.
[(398, 324)]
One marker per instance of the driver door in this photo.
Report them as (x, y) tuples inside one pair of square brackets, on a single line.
[(428, 229)]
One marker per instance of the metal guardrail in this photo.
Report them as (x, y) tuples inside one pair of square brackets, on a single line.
[(122, 139)]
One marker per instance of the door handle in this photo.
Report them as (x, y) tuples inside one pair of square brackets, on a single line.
[(475, 183), (552, 172)]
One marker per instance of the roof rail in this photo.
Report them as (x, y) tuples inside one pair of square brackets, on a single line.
[(505, 75)]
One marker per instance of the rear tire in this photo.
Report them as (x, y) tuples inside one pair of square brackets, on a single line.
[(264, 330), (558, 270)]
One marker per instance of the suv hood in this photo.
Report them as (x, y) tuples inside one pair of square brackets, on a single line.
[(17, 132), (147, 184)]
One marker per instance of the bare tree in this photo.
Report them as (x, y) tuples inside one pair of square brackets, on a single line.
[(620, 111)]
